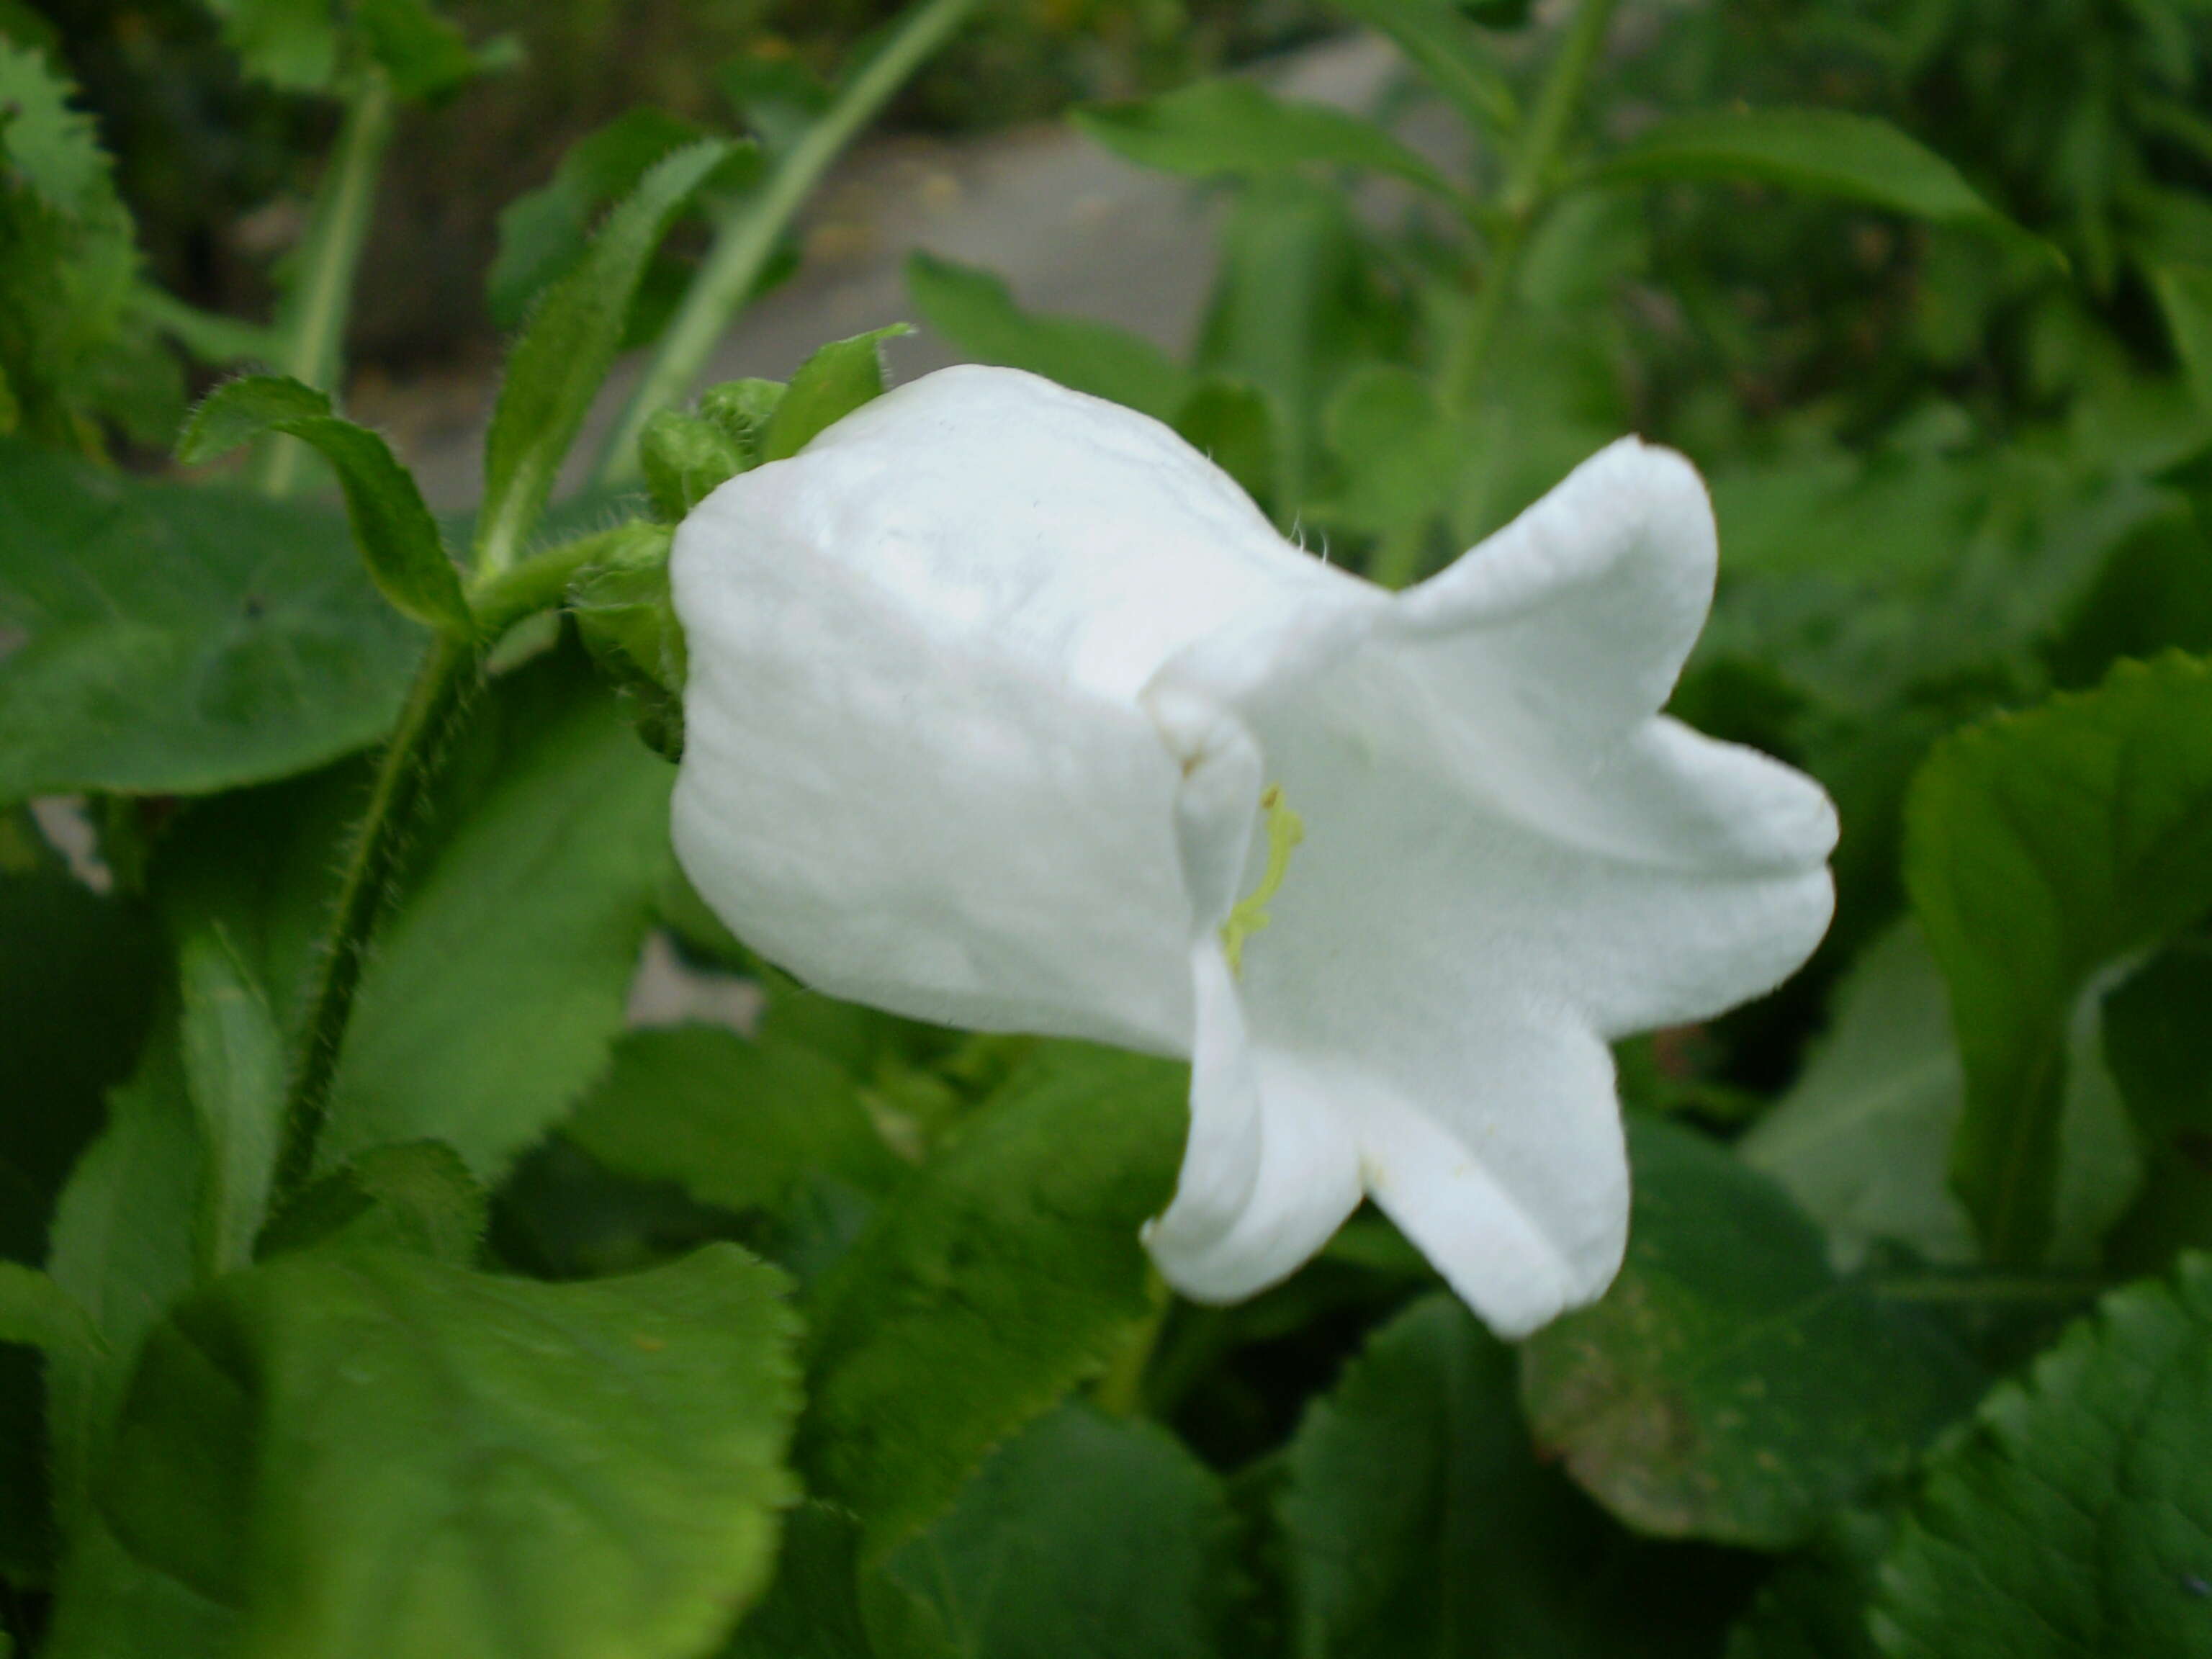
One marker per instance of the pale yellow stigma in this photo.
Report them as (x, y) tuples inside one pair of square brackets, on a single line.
[(1286, 829)]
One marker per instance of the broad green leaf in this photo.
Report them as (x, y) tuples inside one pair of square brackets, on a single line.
[(1827, 152), (365, 1452), (1223, 127), (812, 1609), (1458, 63), (1729, 1387), (1418, 1523), (554, 370), (234, 1075), (744, 1125), (1862, 1141), (2184, 295), (830, 385), (2042, 846), (1005, 1271), (397, 538), (501, 979), (1081, 1535), (2158, 1037), (2076, 1516), (181, 640), (417, 1197), (37, 1312), (974, 310), (77, 976), (542, 233), (1815, 1606)]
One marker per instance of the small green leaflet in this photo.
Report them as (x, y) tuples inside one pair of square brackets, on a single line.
[(397, 538), (830, 385)]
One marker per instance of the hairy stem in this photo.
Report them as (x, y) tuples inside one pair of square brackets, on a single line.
[(311, 326), (747, 240), (1523, 200)]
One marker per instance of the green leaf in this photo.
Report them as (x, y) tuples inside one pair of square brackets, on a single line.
[(37, 1312), (180, 641), (555, 368), (2184, 295), (292, 44), (77, 980), (1402, 461), (1455, 58), (830, 385), (1233, 426), (1235, 128), (1862, 1139), (2041, 848), (1005, 1271), (397, 538), (2076, 1516), (974, 310), (49, 147), (1081, 1535), (1729, 1387), (735, 1123), (1419, 1524), (499, 984), (235, 1076), (1815, 1606), (544, 232), (625, 614), (1826, 152), (685, 459), (417, 1197), (2158, 1037), (366, 1452), (424, 54)]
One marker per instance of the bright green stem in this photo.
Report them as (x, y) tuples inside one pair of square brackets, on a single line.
[(451, 669), (747, 240), (313, 324), (1523, 199)]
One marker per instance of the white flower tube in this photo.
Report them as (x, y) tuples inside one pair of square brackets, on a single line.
[(987, 686)]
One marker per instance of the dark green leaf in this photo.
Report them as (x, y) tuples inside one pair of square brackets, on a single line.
[(77, 977), (417, 1197), (1219, 128), (555, 369), (1418, 1523), (1082, 1534), (2075, 1518), (830, 385), (364, 1451), (2184, 294), (2157, 1036), (1862, 1139), (738, 1124), (974, 310), (397, 537), (1231, 425), (2041, 848), (1457, 61), (542, 233), (1004, 1273), (425, 55), (1729, 1386), (181, 640), (1827, 152), (1815, 1606)]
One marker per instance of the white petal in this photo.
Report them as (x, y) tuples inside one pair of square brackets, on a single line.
[(1508, 859), (1271, 1168), (916, 774)]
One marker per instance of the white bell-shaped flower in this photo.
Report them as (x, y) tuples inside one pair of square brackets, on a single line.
[(986, 687)]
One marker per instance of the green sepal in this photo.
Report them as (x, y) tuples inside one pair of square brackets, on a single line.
[(743, 409), (830, 385), (397, 538), (627, 617), (684, 458)]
